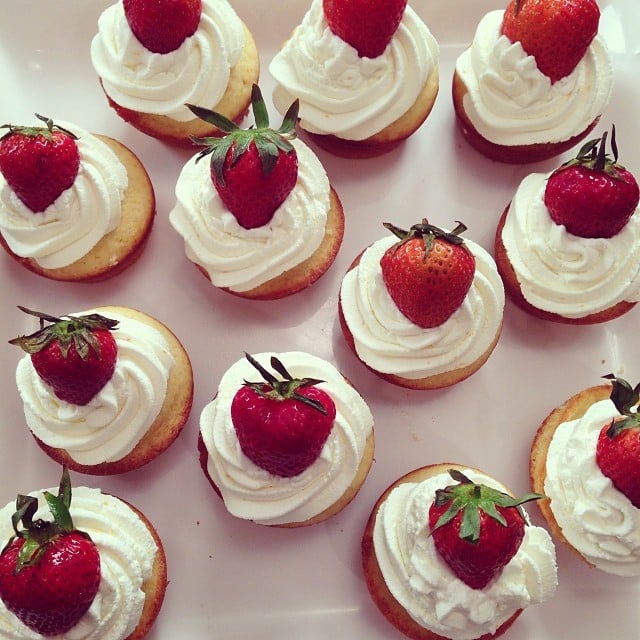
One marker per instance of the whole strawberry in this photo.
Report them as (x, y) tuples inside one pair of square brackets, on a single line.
[(49, 571), (253, 170), (557, 33), (39, 163), (476, 529), (428, 273), (367, 25), (75, 355), (162, 26), (618, 447), (592, 195), (282, 424)]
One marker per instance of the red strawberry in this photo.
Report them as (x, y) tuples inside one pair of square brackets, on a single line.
[(282, 425), (49, 571), (162, 26), (76, 355), (253, 170), (428, 273), (367, 25), (39, 163), (476, 529), (592, 195), (557, 33), (618, 448)]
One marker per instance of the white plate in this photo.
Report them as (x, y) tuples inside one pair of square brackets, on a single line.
[(233, 579)]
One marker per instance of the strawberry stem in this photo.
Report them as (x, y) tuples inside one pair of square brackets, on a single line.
[(625, 398)]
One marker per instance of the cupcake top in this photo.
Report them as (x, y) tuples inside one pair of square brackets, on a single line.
[(343, 94)]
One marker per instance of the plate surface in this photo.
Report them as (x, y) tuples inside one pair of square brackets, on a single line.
[(232, 579)]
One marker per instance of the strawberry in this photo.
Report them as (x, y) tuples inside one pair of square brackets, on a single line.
[(367, 25), (49, 571), (618, 447), (162, 26), (476, 529), (592, 195), (76, 355), (39, 163), (557, 33), (428, 273), (282, 425), (255, 169)]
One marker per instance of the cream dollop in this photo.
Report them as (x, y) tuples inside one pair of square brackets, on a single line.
[(596, 518), (389, 342), (113, 422), (422, 582), (343, 94), (252, 493), (127, 553), (562, 273), (241, 259), (78, 219), (161, 84), (511, 102)]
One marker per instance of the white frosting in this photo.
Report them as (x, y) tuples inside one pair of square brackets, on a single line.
[(252, 493), (389, 342), (343, 94), (127, 552), (511, 102), (113, 422), (78, 219), (422, 582), (161, 83), (563, 273), (597, 519), (241, 259)]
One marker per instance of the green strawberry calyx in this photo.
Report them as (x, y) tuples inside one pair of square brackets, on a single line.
[(32, 132), (428, 233), (625, 398), (469, 499), (269, 142)]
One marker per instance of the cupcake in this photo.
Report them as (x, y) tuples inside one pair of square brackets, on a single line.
[(154, 57), (534, 81), (258, 224), (104, 391), (291, 449), (432, 577), (567, 244), (74, 206), (366, 76), (100, 571), (584, 457), (423, 311)]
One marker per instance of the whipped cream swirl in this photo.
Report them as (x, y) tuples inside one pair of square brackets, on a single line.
[(162, 83), (127, 552), (389, 342), (115, 419), (511, 102), (252, 493), (78, 219), (562, 273), (343, 94), (422, 582), (241, 259)]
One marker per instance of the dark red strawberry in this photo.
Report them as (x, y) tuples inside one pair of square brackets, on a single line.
[(75, 355), (476, 529), (39, 163), (618, 448), (367, 25), (282, 424), (556, 33), (49, 571), (428, 273), (253, 170), (162, 26), (592, 195)]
